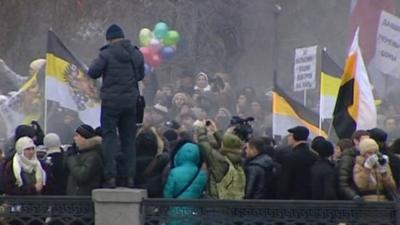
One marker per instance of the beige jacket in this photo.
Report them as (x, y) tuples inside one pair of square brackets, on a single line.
[(371, 183)]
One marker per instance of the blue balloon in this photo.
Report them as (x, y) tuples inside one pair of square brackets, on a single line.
[(147, 69), (167, 52)]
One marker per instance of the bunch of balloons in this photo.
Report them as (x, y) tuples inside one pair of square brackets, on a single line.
[(157, 45)]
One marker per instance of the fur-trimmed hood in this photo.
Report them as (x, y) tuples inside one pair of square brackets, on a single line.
[(90, 143)]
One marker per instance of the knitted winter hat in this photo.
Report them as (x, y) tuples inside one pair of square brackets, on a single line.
[(114, 32), (378, 135), (324, 148), (368, 145), (24, 130), (86, 131), (52, 142), (231, 144), (170, 135), (316, 141)]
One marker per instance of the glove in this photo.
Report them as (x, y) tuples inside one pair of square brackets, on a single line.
[(371, 161)]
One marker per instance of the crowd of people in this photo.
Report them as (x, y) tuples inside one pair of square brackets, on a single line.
[(204, 161), (199, 138), (209, 163)]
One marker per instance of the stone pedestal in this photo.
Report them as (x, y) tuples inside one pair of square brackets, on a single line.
[(119, 206)]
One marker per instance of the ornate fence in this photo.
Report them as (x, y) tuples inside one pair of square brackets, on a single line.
[(268, 212), (60, 210), (46, 210)]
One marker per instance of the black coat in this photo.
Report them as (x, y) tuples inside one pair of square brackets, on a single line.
[(281, 153), (323, 180), (394, 163), (57, 175), (259, 177), (295, 179), (121, 65)]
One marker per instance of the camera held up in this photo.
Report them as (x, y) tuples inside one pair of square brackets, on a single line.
[(242, 127)]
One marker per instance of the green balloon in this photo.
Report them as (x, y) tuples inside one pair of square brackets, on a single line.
[(145, 36), (161, 30), (172, 38)]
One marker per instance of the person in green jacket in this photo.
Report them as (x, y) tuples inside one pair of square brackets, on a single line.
[(84, 163), (223, 155), (346, 186)]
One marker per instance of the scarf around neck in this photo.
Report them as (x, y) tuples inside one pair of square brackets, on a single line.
[(21, 163)]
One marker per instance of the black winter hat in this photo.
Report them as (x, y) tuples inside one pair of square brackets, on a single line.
[(170, 135), (24, 130), (324, 148), (378, 135), (98, 131), (300, 133), (113, 32), (315, 141), (86, 131)]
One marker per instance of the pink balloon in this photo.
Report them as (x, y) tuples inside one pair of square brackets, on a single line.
[(155, 60), (146, 53)]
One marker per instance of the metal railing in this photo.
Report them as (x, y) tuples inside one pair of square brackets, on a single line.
[(63, 210), (46, 210), (269, 212)]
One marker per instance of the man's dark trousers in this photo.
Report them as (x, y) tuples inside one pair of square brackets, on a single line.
[(123, 119)]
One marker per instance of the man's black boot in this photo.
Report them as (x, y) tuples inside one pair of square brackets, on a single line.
[(130, 183), (110, 183)]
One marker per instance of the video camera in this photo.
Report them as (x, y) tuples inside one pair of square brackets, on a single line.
[(242, 128), (381, 159)]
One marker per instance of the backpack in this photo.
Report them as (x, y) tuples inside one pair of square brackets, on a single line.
[(232, 185)]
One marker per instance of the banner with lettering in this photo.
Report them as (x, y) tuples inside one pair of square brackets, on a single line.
[(305, 68), (387, 55)]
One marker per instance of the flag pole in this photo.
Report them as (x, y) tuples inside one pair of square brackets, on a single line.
[(45, 102), (319, 69), (275, 56), (44, 89)]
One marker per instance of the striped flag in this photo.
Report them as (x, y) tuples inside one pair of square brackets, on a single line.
[(330, 83), (67, 84), (23, 107), (288, 113), (355, 108)]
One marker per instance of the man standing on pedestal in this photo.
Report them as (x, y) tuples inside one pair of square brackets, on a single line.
[(121, 65)]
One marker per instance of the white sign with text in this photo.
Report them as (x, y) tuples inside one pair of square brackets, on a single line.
[(305, 65), (387, 54)]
